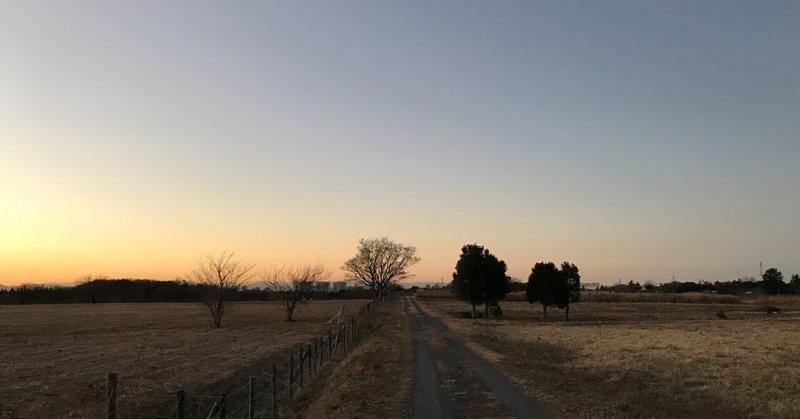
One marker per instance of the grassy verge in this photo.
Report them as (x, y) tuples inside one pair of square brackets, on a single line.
[(374, 380)]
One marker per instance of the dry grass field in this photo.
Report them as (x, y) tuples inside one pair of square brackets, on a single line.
[(55, 357), (644, 359)]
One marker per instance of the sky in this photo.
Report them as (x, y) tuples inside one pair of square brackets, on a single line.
[(640, 140)]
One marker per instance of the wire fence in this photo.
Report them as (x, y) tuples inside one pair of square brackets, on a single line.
[(267, 395)]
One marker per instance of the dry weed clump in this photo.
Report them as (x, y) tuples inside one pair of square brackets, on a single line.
[(646, 359)]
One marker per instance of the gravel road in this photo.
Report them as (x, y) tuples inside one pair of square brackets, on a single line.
[(450, 381)]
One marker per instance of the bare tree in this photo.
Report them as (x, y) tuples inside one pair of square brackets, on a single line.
[(295, 284), (380, 262), (220, 276), (90, 286)]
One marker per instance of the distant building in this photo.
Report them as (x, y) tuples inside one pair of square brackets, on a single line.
[(337, 286), (323, 286), (355, 285), (590, 286)]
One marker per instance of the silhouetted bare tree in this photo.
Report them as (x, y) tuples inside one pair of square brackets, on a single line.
[(380, 262), (219, 276), (295, 284)]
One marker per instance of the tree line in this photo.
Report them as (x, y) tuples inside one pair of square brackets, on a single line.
[(772, 282), (218, 279), (129, 290), (480, 279)]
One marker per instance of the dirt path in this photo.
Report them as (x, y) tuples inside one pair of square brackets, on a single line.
[(450, 381)]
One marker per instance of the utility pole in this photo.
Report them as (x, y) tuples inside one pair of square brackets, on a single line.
[(760, 270)]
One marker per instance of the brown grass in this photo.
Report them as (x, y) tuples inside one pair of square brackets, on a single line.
[(445, 293), (374, 381), (785, 302), (615, 297), (646, 297), (56, 357), (645, 359)]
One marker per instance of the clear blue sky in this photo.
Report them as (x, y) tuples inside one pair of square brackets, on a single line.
[(637, 139)]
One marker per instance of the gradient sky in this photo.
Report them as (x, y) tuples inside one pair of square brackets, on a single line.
[(637, 139)]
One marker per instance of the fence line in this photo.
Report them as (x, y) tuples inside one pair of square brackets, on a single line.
[(268, 394)]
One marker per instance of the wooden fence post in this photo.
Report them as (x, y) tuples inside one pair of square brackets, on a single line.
[(291, 376), (310, 366), (111, 390), (179, 409), (301, 367), (315, 355), (330, 345), (222, 406), (274, 391), (345, 336), (251, 399), (320, 351)]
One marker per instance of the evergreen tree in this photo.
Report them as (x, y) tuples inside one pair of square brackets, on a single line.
[(553, 287), (572, 276), (795, 284), (545, 283), (480, 277), (773, 281)]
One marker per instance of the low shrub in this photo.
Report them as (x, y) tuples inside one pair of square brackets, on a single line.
[(769, 309)]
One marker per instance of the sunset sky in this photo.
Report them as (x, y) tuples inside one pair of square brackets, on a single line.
[(636, 139)]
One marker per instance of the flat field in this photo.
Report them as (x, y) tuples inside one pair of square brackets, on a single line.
[(643, 359), (55, 357)]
